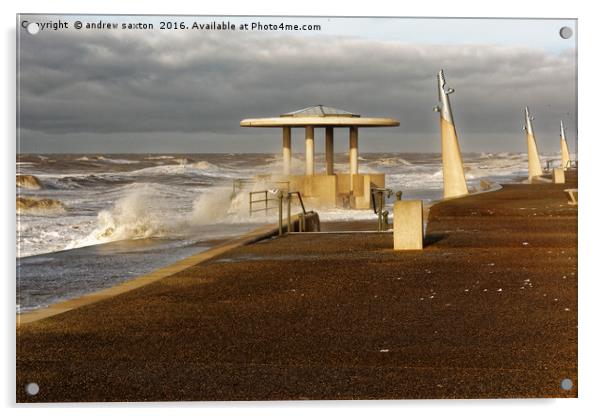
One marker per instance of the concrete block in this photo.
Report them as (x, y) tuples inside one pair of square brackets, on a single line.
[(343, 182), (323, 188), (558, 175), (407, 225), (377, 180), (362, 200), (358, 184)]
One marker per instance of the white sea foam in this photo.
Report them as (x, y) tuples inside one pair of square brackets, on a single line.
[(151, 211), (197, 168), (133, 216), (162, 157), (164, 199), (117, 161)]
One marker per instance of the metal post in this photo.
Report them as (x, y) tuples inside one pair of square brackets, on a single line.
[(266, 202), (289, 227), (384, 214), (280, 196)]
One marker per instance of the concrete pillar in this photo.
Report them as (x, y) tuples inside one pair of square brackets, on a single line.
[(353, 142), (407, 225), (309, 150), (286, 150), (353, 169), (454, 181), (329, 142), (564, 148), (558, 175), (532, 153)]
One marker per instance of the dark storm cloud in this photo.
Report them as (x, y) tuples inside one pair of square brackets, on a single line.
[(206, 83)]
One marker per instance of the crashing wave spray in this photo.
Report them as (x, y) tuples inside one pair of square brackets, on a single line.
[(454, 182), (130, 218)]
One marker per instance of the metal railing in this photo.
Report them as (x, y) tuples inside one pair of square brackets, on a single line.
[(289, 198), (379, 198), (279, 197), (265, 202), (569, 164), (238, 184)]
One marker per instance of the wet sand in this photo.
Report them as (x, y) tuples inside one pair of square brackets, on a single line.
[(488, 309)]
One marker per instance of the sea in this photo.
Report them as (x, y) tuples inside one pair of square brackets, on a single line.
[(111, 217)]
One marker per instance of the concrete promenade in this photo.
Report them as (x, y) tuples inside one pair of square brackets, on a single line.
[(487, 310)]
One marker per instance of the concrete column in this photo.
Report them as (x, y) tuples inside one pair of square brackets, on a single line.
[(309, 150), (286, 150), (407, 225), (329, 141), (353, 141)]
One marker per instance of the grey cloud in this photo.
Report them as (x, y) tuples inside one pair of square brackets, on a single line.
[(91, 84)]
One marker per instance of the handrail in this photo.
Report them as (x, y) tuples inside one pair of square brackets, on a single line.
[(238, 184), (379, 209), (289, 226), (381, 192), (569, 164), (265, 200), (280, 196), (300, 199)]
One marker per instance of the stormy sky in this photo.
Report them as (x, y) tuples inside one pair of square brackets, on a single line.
[(186, 91)]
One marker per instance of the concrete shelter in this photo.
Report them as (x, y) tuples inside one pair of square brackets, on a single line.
[(344, 189)]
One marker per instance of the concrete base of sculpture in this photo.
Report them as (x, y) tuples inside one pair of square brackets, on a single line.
[(341, 190), (407, 225), (564, 152), (533, 157), (558, 175), (454, 181)]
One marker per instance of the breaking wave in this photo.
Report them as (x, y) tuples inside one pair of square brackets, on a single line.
[(39, 206), (28, 182), (147, 211), (133, 216)]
